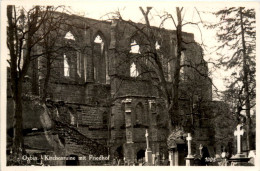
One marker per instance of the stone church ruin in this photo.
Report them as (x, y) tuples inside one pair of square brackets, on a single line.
[(99, 100)]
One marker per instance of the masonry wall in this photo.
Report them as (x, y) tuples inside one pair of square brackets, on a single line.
[(87, 106), (71, 93)]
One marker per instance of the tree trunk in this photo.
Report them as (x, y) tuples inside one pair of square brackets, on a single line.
[(160, 72), (47, 78), (245, 82), (16, 87), (18, 141), (169, 114), (175, 116)]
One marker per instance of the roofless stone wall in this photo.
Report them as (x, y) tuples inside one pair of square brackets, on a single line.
[(95, 106)]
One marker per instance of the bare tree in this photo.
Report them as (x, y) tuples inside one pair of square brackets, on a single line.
[(156, 66), (23, 36)]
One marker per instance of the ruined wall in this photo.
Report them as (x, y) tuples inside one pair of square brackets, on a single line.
[(90, 104)]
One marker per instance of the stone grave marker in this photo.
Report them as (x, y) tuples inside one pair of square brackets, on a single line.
[(148, 152), (239, 159), (189, 158)]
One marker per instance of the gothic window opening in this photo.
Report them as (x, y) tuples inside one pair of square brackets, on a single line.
[(135, 48), (100, 60), (71, 58), (134, 66), (99, 40), (95, 72), (107, 68), (66, 66), (69, 36), (133, 70), (79, 64), (70, 64), (157, 46)]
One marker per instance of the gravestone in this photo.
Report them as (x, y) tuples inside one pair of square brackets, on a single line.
[(189, 158), (238, 133), (148, 152), (239, 159)]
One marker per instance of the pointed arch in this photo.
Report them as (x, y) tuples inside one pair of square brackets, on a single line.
[(69, 36), (66, 66), (100, 58), (133, 70), (71, 33), (135, 47), (101, 35), (135, 58), (157, 45), (71, 57)]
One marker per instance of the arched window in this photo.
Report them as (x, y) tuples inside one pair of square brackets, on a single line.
[(135, 48), (79, 64), (70, 61), (100, 60), (99, 40), (133, 70), (71, 57), (139, 114), (69, 36), (134, 64), (66, 66), (157, 46)]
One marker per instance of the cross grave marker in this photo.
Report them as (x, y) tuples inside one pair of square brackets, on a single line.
[(238, 133)]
